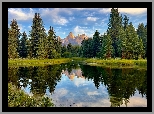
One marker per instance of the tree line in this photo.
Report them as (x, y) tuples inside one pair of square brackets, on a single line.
[(121, 40)]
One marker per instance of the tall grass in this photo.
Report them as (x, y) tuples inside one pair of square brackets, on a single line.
[(116, 62), (37, 62)]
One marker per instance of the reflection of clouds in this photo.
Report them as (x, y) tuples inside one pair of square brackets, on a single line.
[(93, 93), (80, 82), (136, 102), (61, 92)]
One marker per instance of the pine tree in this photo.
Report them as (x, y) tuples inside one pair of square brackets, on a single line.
[(42, 52), (114, 25), (96, 44), (23, 46), (142, 33), (125, 22), (69, 47), (58, 44), (63, 50), (107, 48), (134, 46), (13, 40), (53, 45), (29, 49), (37, 34)]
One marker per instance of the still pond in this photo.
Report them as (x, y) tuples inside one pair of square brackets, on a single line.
[(78, 85)]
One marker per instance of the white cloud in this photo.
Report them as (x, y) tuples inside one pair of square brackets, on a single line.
[(79, 9), (93, 93), (132, 11), (92, 18), (78, 30), (20, 14), (54, 15), (89, 14), (105, 10)]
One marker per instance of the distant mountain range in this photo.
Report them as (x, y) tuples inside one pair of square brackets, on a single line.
[(74, 40)]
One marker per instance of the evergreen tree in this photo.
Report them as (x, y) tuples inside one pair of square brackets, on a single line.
[(13, 40), (134, 46), (107, 48), (125, 22), (53, 45), (37, 35), (69, 47), (114, 25), (58, 44), (23, 46), (42, 52), (96, 44), (29, 49), (63, 50), (142, 33)]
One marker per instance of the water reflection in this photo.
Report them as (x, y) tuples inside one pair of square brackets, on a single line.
[(72, 84)]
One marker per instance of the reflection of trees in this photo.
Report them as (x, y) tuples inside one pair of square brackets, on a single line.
[(93, 73), (71, 65), (24, 73), (13, 76), (121, 83), (42, 77)]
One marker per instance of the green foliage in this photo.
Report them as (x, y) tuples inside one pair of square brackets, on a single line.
[(17, 98), (87, 48), (107, 48), (142, 34), (13, 40), (37, 35), (23, 46), (114, 26), (96, 44), (67, 54)]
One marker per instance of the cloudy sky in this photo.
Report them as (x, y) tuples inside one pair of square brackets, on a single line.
[(76, 20)]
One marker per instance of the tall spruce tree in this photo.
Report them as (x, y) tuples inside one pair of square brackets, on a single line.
[(13, 40), (134, 46), (37, 35), (114, 25), (125, 22), (96, 44), (51, 45), (107, 48), (23, 46), (63, 50), (142, 33)]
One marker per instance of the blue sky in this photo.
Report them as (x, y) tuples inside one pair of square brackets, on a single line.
[(75, 20)]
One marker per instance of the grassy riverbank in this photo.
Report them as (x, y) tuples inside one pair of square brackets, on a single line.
[(91, 61), (37, 62), (18, 98), (117, 62)]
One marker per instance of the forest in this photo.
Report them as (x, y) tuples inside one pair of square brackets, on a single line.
[(121, 40)]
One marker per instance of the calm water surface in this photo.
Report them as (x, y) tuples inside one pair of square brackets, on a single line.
[(77, 85)]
